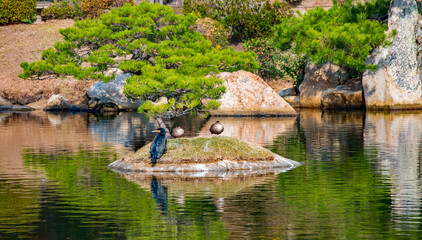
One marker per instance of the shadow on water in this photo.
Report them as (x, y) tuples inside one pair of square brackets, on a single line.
[(362, 179)]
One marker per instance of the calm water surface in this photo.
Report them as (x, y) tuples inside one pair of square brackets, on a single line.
[(361, 180)]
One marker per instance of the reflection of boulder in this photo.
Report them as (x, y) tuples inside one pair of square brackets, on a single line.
[(222, 184), (329, 134), (247, 94), (135, 130), (259, 131), (56, 119), (395, 138)]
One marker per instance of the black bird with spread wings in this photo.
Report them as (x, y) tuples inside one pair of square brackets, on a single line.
[(158, 146)]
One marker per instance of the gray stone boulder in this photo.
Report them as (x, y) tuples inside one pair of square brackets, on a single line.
[(5, 105), (396, 83), (248, 95), (293, 91), (348, 96), (57, 103), (317, 80), (110, 96)]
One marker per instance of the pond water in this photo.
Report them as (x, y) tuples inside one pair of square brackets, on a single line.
[(361, 179)]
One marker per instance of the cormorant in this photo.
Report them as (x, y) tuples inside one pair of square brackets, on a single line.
[(217, 128), (177, 132), (158, 146)]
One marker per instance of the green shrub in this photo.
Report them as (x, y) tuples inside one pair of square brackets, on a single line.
[(342, 35), (162, 51), (94, 8), (213, 31), (276, 63), (245, 18), (12, 11), (63, 9)]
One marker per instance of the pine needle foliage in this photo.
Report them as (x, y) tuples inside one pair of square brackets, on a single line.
[(345, 34), (165, 55)]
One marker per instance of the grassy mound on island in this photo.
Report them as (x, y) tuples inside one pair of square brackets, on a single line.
[(204, 150)]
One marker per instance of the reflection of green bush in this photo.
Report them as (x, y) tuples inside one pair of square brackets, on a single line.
[(92, 202)]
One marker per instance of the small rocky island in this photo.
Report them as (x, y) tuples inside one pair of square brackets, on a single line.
[(218, 153)]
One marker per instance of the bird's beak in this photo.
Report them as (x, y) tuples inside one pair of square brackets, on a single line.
[(157, 131)]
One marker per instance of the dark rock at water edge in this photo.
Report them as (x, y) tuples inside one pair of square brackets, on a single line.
[(110, 96)]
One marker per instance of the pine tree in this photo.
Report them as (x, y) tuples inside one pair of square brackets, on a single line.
[(165, 55), (345, 34)]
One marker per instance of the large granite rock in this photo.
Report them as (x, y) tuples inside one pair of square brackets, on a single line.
[(347, 96), (317, 80), (396, 83), (248, 95), (107, 95)]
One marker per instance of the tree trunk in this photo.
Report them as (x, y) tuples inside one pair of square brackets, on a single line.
[(162, 125)]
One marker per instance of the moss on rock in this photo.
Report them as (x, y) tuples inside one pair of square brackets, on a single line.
[(204, 150)]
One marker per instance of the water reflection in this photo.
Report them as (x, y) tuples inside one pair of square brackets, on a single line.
[(395, 140), (361, 180)]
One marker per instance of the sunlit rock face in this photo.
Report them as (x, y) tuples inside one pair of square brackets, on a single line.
[(317, 80), (259, 131), (396, 83), (396, 140), (248, 95)]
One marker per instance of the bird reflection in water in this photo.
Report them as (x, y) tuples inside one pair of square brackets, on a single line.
[(159, 193)]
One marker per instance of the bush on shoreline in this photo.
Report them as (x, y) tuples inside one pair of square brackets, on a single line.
[(12, 11)]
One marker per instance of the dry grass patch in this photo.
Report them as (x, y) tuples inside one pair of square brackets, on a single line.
[(26, 42), (204, 150)]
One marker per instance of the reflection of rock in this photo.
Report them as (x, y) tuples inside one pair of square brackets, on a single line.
[(56, 119), (395, 139), (219, 184), (247, 94), (259, 131), (135, 130), (329, 134)]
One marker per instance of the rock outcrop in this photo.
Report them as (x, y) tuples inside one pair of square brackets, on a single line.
[(57, 103), (248, 95), (5, 105), (110, 96), (347, 96), (204, 155), (317, 80), (396, 83)]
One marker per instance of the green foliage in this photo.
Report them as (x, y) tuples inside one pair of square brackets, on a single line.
[(165, 55), (12, 11), (246, 18), (213, 31), (342, 35), (94, 8), (276, 63), (63, 9)]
